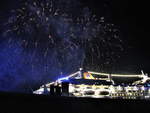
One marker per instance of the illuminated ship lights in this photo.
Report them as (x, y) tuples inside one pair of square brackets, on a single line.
[(85, 84)]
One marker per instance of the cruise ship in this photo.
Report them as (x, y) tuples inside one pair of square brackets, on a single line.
[(98, 85)]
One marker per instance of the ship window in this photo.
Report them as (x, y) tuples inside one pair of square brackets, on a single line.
[(77, 86), (104, 93), (147, 81), (89, 87), (89, 93), (76, 91)]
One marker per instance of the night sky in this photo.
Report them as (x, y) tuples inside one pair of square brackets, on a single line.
[(131, 18)]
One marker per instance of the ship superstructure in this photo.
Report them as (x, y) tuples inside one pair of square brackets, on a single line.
[(97, 85)]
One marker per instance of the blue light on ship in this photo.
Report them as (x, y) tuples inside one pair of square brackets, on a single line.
[(63, 79)]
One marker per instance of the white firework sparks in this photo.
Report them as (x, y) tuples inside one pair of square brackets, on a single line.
[(75, 37)]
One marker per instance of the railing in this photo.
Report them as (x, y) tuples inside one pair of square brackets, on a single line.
[(115, 75)]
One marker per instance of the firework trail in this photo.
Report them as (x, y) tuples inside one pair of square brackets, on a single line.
[(62, 36)]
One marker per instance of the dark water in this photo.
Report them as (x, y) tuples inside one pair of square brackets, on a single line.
[(12, 103)]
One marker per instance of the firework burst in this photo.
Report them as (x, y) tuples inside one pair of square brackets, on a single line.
[(64, 33)]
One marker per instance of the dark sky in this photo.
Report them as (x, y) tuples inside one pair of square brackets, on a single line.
[(130, 17)]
